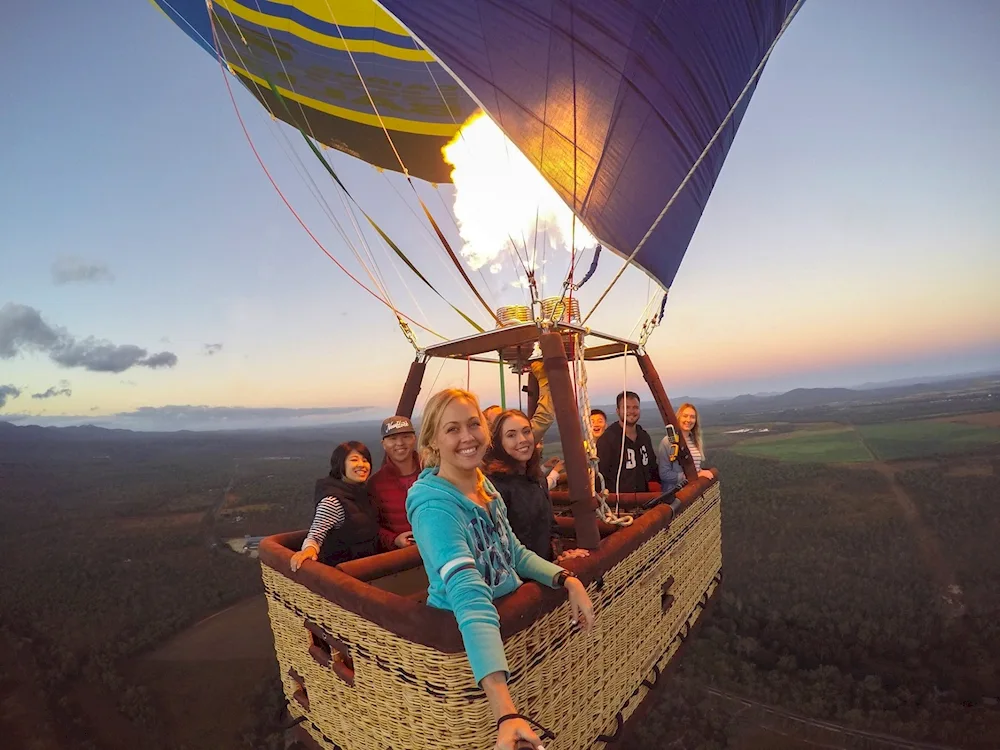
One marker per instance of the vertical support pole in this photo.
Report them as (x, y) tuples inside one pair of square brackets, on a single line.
[(411, 389), (532, 390), (667, 412), (503, 388), (568, 419)]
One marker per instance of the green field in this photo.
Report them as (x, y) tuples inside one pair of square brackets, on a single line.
[(840, 445), (925, 438), (888, 441)]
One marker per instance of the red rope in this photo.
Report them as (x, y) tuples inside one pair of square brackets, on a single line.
[(281, 195)]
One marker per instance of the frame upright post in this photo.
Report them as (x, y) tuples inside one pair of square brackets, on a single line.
[(667, 413), (408, 399), (568, 419)]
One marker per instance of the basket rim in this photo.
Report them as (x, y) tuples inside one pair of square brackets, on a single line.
[(437, 628)]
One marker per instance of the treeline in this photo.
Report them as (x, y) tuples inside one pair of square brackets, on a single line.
[(874, 413), (828, 611)]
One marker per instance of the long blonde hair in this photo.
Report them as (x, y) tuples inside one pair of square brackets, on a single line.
[(696, 432), (431, 422)]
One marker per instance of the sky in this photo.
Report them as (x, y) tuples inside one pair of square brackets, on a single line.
[(852, 236)]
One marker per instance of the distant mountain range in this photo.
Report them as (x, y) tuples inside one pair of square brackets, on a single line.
[(798, 398), (802, 398)]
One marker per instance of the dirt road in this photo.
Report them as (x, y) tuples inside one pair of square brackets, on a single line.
[(813, 732), (938, 566)]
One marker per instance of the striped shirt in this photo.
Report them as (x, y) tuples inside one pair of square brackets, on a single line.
[(695, 453), (329, 515)]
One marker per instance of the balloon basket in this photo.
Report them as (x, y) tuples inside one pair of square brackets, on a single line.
[(361, 655), (365, 663)]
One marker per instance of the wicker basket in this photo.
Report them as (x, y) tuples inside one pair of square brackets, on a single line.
[(405, 695)]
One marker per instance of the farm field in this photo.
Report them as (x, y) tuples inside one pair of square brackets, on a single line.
[(825, 445), (890, 441), (897, 440)]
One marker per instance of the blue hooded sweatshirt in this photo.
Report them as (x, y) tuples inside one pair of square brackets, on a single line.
[(471, 557)]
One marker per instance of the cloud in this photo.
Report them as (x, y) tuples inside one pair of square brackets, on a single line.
[(212, 349), (187, 417), (70, 269), (62, 389), (172, 418), (236, 413), (22, 329), (103, 356), (8, 391), (22, 326), (155, 361)]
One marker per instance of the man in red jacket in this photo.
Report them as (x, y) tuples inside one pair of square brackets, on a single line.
[(389, 485)]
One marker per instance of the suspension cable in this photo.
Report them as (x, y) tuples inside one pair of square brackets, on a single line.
[(329, 169), (402, 166), (401, 317), (704, 153), (374, 273)]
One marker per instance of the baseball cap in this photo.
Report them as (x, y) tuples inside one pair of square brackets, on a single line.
[(396, 425)]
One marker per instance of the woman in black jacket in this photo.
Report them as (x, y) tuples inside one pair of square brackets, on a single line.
[(345, 525), (513, 467)]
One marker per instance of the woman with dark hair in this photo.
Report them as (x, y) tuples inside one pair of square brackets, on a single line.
[(345, 525), (513, 466)]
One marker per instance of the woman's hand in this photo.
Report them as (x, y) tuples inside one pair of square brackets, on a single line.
[(706, 474), (579, 604), (512, 734), (572, 553), (404, 540), (309, 553), (514, 731)]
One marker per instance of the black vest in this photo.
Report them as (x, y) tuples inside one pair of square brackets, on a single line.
[(358, 537), (529, 511)]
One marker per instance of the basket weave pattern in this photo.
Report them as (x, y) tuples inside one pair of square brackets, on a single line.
[(407, 696)]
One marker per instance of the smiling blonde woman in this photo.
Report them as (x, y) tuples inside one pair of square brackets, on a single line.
[(470, 553)]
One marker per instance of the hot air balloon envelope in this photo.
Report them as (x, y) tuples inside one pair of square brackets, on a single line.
[(308, 50), (612, 100)]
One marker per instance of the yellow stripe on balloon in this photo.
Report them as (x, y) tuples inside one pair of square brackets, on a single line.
[(391, 123), (324, 40)]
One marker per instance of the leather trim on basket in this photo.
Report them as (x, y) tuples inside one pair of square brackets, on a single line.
[(387, 563), (436, 628)]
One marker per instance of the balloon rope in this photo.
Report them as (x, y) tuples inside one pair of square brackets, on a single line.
[(281, 195), (576, 151), (428, 392), (624, 421), (344, 195), (590, 443), (700, 159), (430, 217), (374, 273)]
